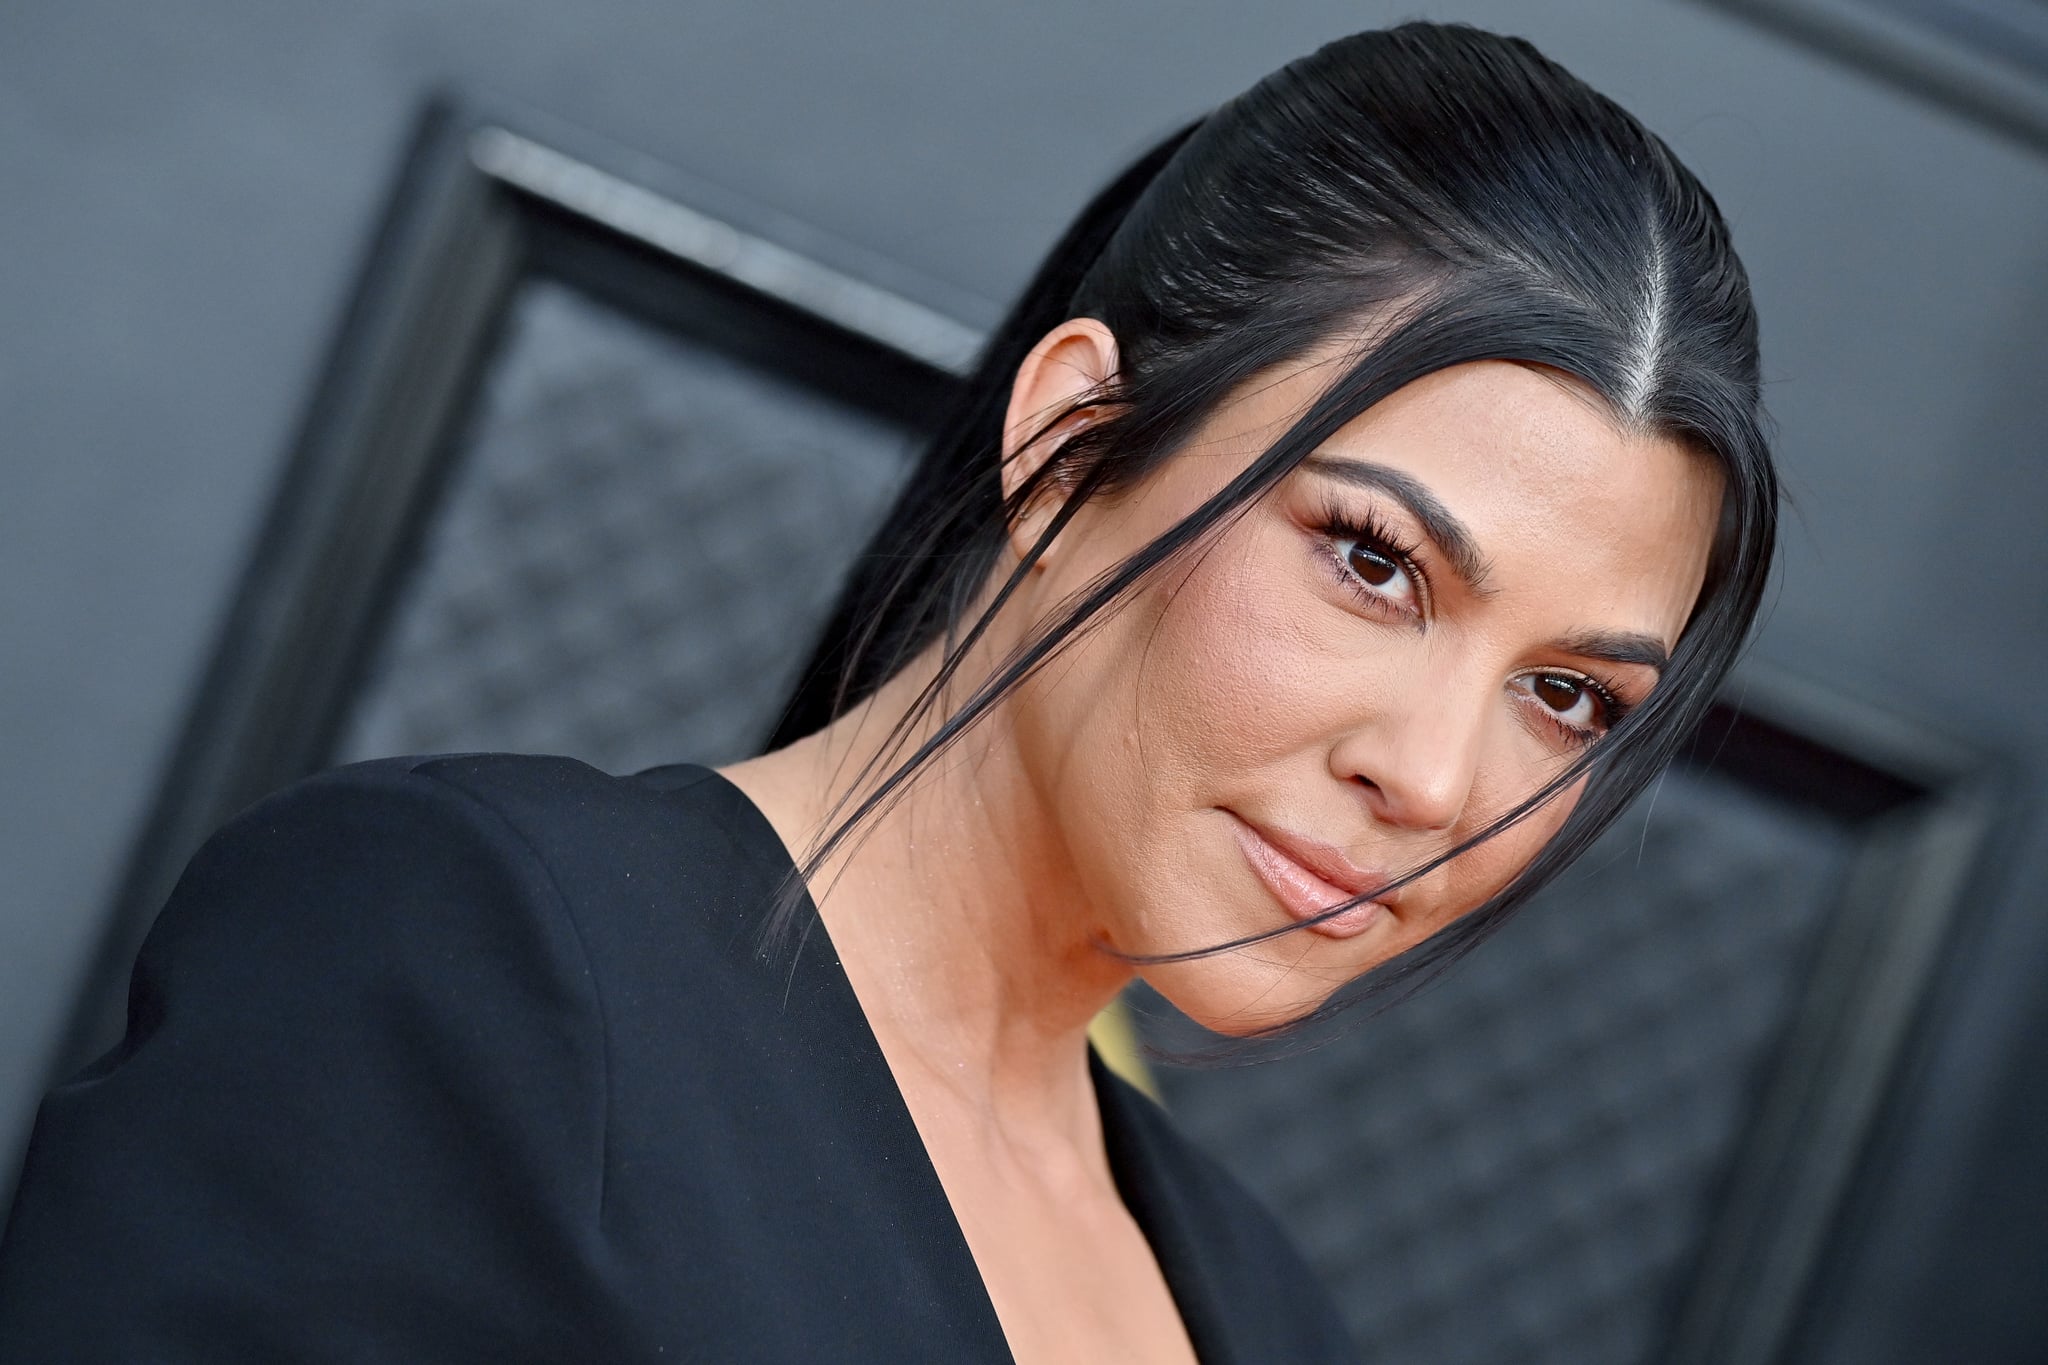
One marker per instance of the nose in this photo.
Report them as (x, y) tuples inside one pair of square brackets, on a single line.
[(1416, 762)]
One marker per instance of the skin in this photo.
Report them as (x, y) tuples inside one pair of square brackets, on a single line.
[(1168, 782)]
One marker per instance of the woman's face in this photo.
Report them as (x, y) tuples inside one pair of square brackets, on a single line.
[(1410, 634)]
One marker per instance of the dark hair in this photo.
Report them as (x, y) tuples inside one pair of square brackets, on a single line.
[(1470, 198)]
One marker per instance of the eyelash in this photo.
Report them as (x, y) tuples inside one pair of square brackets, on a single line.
[(1340, 524), (1337, 524), (1603, 691)]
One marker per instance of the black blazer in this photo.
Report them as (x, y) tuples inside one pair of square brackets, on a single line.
[(476, 1059)]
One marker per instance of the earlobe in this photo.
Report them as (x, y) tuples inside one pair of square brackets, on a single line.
[(1074, 363)]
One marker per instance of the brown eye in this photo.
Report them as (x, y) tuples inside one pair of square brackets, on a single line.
[(1580, 706), (1373, 567), (1376, 570), (1559, 694)]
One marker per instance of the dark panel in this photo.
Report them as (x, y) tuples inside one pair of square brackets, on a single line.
[(639, 544)]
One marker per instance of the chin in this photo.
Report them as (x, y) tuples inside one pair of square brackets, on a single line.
[(1239, 995), (1261, 987)]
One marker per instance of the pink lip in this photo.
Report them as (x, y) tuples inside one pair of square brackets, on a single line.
[(1308, 877)]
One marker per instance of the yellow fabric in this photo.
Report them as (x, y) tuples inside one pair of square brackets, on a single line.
[(1117, 1041)]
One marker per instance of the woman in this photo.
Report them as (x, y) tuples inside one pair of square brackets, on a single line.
[(1358, 507)]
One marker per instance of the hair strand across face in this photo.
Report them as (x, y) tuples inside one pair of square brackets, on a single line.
[(1448, 195)]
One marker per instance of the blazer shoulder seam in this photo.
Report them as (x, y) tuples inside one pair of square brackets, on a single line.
[(567, 909)]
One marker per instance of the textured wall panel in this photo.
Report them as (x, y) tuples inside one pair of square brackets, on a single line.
[(639, 543)]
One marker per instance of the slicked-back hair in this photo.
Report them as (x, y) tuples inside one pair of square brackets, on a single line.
[(1473, 201)]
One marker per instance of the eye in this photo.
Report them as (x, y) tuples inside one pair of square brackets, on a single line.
[(1578, 705), (1377, 566), (1374, 567)]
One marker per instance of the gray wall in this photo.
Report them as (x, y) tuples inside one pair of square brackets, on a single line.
[(188, 185)]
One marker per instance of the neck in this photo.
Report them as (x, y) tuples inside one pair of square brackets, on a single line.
[(954, 911)]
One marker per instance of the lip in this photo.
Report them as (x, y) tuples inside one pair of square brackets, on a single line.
[(1307, 877)]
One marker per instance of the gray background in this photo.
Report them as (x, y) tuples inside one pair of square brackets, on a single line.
[(185, 193)]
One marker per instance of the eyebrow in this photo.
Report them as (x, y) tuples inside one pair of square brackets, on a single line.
[(1459, 547), (1619, 647), (1462, 552)]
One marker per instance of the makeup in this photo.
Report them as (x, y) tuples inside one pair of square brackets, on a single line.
[(1308, 877)]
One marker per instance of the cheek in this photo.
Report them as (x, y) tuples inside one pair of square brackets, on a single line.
[(1224, 677), (1483, 872), (1185, 684), (1246, 664)]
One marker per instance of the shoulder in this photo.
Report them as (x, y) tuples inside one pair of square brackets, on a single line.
[(683, 821), (393, 1044), (410, 842), (368, 907), (451, 875), (1250, 1286), (663, 868), (375, 868), (356, 915), (364, 1047)]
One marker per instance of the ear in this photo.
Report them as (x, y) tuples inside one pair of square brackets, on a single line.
[(1072, 363)]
